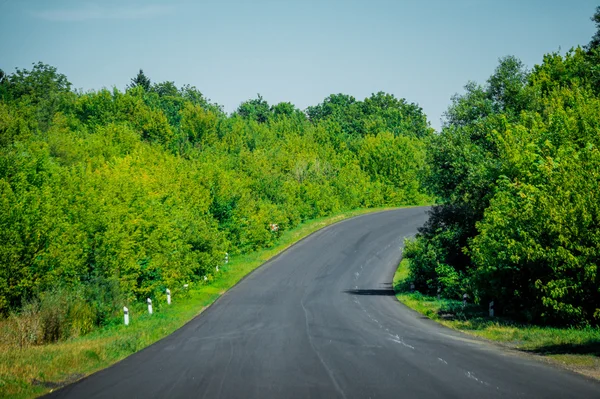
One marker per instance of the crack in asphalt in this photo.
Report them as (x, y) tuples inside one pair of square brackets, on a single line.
[(329, 371)]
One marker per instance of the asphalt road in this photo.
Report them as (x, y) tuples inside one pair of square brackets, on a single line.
[(321, 321)]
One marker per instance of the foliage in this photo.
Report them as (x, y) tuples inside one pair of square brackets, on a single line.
[(516, 167), (573, 347), (379, 113), (596, 38), (29, 371), (141, 80), (256, 110), (110, 197)]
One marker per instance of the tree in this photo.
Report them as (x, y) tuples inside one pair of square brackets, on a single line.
[(39, 83), (505, 86), (285, 109), (140, 80), (333, 104), (384, 112), (516, 167), (257, 109), (43, 87), (595, 42), (3, 85), (165, 89)]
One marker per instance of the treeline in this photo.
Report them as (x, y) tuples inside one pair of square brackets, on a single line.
[(517, 169), (108, 197)]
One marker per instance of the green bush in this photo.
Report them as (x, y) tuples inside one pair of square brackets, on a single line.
[(517, 168), (111, 197)]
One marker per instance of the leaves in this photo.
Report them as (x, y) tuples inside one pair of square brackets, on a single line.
[(116, 196), (518, 168)]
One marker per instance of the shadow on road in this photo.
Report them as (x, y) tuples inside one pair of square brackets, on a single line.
[(378, 292)]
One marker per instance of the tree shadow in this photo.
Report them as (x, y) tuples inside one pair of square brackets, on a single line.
[(403, 287), (374, 292), (591, 347)]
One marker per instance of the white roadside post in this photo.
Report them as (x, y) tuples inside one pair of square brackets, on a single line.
[(465, 300), (491, 309), (149, 305), (412, 287), (126, 315), (439, 293), (168, 296), (226, 257)]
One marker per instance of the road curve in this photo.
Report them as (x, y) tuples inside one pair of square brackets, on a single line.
[(321, 321)]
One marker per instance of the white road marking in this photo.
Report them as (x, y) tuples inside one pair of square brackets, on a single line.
[(472, 376), (399, 341)]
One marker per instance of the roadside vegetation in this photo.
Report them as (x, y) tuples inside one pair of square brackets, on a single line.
[(575, 348), (33, 370), (516, 169), (111, 197)]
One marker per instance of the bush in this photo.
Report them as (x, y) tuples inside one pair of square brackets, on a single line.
[(517, 167), (110, 197), (54, 309), (24, 328)]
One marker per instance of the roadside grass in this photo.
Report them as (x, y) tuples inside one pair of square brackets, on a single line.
[(577, 349), (35, 370)]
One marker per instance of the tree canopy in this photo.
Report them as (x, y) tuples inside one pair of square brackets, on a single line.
[(109, 197), (515, 168), (141, 80)]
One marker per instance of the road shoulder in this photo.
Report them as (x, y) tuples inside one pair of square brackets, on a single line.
[(573, 349)]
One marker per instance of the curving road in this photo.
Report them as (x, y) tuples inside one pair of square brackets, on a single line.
[(321, 321)]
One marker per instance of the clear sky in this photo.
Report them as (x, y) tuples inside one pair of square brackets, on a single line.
[(297, 51)]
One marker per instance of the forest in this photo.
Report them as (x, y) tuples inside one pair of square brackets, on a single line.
[(109, 197)]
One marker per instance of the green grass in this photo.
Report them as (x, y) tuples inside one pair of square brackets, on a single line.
[(35, 370), (575, 348)]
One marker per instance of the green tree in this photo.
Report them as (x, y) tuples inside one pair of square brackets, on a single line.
[(332, 105), (516, 167), (595, 42), (284, 109), (46, 90), (506, 86), (140, 80), (38, 83), (165, 89), (256, 110), (109, 197)]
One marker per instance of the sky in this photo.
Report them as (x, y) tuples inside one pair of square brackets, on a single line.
[(297, 51)]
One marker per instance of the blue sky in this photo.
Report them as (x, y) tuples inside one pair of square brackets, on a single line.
[(297, 51)]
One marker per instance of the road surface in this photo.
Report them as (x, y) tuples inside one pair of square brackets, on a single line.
[(321, 321)]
